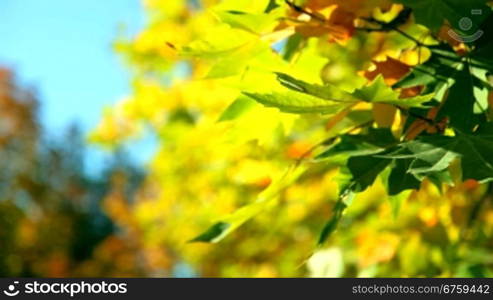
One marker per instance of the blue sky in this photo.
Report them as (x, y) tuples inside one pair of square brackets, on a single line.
[(63, 49)]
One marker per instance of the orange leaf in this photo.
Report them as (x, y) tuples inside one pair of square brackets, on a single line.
[(263, 182), (411, 92), (416, 128), (391, 69), (419, 126), (298, 150), (334, 21), (471, 184)]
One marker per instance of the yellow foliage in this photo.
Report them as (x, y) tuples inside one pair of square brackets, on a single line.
[(205, 167)]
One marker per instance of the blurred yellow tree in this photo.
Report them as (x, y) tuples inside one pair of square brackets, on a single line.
[(280, 121)]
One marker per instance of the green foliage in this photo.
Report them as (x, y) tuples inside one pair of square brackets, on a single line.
[(459, 106), (295, 102), (433, 13), (375, 92), (378, 92), (254, 23), (435, 154), (237, 108), (376, 140), (400, 179)]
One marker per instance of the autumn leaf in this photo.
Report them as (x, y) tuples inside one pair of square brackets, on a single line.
[(391, 69), (338, 25)]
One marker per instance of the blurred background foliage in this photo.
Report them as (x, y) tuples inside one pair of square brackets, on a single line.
[(51, 218), (58, 221)]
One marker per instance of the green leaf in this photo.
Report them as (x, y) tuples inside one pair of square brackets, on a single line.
[(295, 102), (221, 41), (271, 6), (376, 140), (378, 92), (236, 61), (350, 145), (293, 44), (240, 106), (433, 13), (346, 196), (332, 223), (232, 65), (434, 154), (429, 158), (459, 105), (400, 179), (326, 92), (440, 178), (365, 170), (254, 23), (228, 224), (212, 234), (476, 158)]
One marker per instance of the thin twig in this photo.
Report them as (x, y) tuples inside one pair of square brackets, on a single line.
[(330, 141), (414, 115), (304, 11), (388, 27)]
